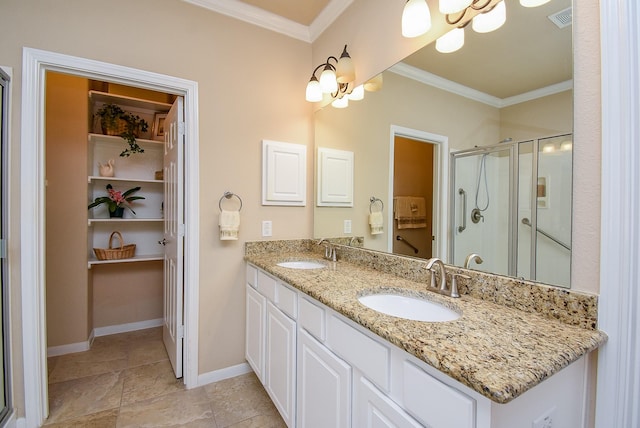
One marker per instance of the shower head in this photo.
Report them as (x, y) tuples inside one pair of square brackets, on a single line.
[(506, 140)]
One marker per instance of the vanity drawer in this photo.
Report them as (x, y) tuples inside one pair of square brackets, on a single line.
[(252, 274), (287, 300), (358, 349), (267, 286), (434, 403), (311, 317)]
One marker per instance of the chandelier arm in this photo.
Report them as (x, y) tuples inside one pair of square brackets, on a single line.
[(475, 7), (456, 21)]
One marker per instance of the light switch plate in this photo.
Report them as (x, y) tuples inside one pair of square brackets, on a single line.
[(347, 226), (267, 228)]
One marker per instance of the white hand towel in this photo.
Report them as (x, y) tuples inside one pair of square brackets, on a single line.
[(376, 221), (229, 225)]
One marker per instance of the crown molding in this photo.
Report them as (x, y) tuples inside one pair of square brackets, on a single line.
[(262, 18), (431, 79), (329, 14)]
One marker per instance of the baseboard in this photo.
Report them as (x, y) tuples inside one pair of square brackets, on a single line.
[(124, 328), (226, 373), (54, 351)]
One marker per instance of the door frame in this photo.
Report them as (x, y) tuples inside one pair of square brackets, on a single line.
[(35, 64), (440, 185)]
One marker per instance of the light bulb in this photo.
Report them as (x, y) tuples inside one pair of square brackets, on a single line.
[(340, 102), (328, 81), (453, 6), (345, 71), (416, 18), (490, 21), (451, 42), (374, 84), (314, 91), (566, 145), (533, 3), (357, 94)]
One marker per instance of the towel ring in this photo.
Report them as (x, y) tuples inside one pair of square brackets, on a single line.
[(373, 200), (229, 195)]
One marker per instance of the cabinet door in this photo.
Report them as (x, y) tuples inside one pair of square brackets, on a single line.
[(255, 333), (372, 409), (280, 356), (324, 386)]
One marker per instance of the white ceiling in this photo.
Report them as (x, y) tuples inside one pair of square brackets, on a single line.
[(526, 54)]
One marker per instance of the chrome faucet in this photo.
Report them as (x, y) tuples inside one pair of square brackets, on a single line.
[(329, 250), (443, 275), (451, 291), (473, 257)]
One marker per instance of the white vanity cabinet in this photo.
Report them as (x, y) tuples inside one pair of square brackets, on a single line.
[(270, 340), (280, 359), (324, 386), (373, 409), (323, 370)]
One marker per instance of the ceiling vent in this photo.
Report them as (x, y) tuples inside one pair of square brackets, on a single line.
[(561, 19)]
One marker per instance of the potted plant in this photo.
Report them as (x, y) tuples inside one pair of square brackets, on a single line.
[(116, 121), (117, 201), (134, 125), (110, 118)]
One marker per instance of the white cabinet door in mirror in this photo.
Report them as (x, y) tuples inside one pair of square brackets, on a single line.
[(335, 178), (284, 173)]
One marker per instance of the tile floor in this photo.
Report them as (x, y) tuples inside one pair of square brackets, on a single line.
[(126, 380)]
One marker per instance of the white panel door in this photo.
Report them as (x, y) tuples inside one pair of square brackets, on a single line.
[(280, 357), (173, 330), (372, 409), (255, 334), (324, 386)]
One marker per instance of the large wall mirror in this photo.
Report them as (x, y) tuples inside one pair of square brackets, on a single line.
[(476, 143)]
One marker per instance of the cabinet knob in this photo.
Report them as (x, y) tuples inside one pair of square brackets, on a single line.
[(163, 242)]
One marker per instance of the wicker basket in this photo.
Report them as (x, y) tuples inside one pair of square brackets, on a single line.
[(124, 252)]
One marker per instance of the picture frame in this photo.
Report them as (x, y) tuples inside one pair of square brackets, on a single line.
[(157, 132)]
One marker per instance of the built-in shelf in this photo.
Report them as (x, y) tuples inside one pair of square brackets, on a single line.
[(116, 138), (105, 97), (123, 220), (92, 178), (135, 259), (145, 228)]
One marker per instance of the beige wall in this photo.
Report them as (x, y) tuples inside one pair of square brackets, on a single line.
[(251, 87), (126, 293), (375, 44), (542, 117), (68, 297)]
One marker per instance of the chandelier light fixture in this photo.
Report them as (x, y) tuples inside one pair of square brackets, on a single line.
[(334, 79), (416, 19), (336, 82)]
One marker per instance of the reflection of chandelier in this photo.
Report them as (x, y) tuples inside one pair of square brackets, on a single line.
[(416, 19)]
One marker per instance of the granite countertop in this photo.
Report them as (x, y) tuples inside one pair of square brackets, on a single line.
[(496, 350)]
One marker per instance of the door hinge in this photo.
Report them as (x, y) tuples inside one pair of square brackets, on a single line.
[(181, 332), (181, 229), (180, 128), (3, 248)]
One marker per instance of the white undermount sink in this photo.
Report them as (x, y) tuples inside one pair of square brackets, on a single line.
[(411, 308), (302, 264)]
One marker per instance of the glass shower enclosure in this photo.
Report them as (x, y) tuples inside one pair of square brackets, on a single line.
[(511, 204)]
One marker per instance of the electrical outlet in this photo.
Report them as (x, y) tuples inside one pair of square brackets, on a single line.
[(347, 226), (545, 420), (267, 228)]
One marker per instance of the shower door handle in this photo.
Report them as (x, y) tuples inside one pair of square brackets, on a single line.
[(462, 193)]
